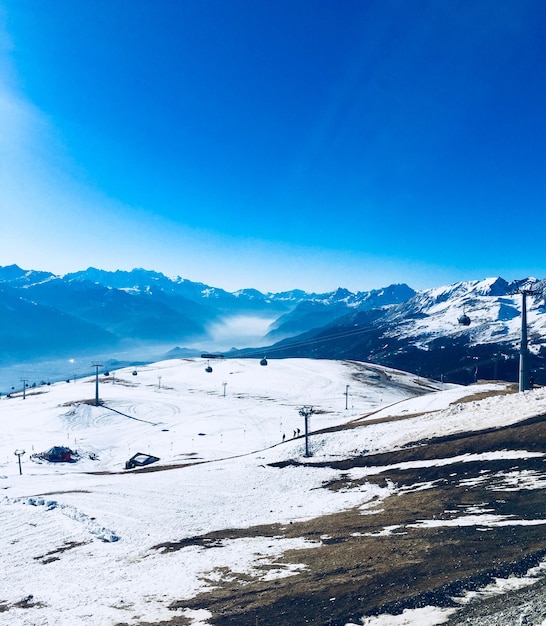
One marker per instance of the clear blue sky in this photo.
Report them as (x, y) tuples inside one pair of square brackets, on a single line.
[(275, 144)]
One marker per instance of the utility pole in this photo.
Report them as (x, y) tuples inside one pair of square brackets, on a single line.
[(524, 374), (306, 412), (96, 366), (19, 454), (25, 385)]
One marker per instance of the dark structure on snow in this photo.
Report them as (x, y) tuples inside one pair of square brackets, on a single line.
[(140, 459)]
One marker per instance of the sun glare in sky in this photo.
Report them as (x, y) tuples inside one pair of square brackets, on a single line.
[(274, 145)]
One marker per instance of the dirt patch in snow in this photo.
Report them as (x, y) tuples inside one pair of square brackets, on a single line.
[(52, 555), (447, 528), (25, 603)]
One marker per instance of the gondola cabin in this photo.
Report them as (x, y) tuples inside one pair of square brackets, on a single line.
[(263, 361), (464, 320)]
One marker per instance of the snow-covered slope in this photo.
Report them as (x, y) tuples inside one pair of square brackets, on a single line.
[(177, 410), (79, 541)]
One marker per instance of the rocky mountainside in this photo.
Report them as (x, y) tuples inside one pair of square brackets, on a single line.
[(318, 311), (424, 334), (43, 315)]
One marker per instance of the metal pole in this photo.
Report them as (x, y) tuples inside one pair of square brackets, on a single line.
[(19, 454), (24, 381), (307, 434), (97, 386), (346, 396), (523, 349), (305, 412), (96, 366)]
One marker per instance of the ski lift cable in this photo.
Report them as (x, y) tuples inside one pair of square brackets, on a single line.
[(353, 332), (308, 342), (479, 364)]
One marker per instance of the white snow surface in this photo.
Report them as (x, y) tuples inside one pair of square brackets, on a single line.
[(80, 538)]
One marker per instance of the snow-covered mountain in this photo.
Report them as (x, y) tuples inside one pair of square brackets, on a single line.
[(316, 311), (45, 315), (91, 312), (423, 333)]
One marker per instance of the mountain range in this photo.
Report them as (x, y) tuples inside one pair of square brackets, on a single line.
[(456, 333), (45, 316)]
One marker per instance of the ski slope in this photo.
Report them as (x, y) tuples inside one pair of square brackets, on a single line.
[(79, 541)]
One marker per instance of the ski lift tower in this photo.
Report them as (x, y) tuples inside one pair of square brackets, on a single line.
[(306, 412), (96, 366), (524, 373)]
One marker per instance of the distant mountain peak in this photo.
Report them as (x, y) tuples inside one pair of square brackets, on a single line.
[(14, 274)]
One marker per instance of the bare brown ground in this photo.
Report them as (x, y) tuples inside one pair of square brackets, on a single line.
[(357, 569), (25, 603), (52, 555)]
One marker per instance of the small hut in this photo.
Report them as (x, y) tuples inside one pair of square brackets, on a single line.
[(59, 454)]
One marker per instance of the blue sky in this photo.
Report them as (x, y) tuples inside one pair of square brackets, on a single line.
[(275, 144)]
